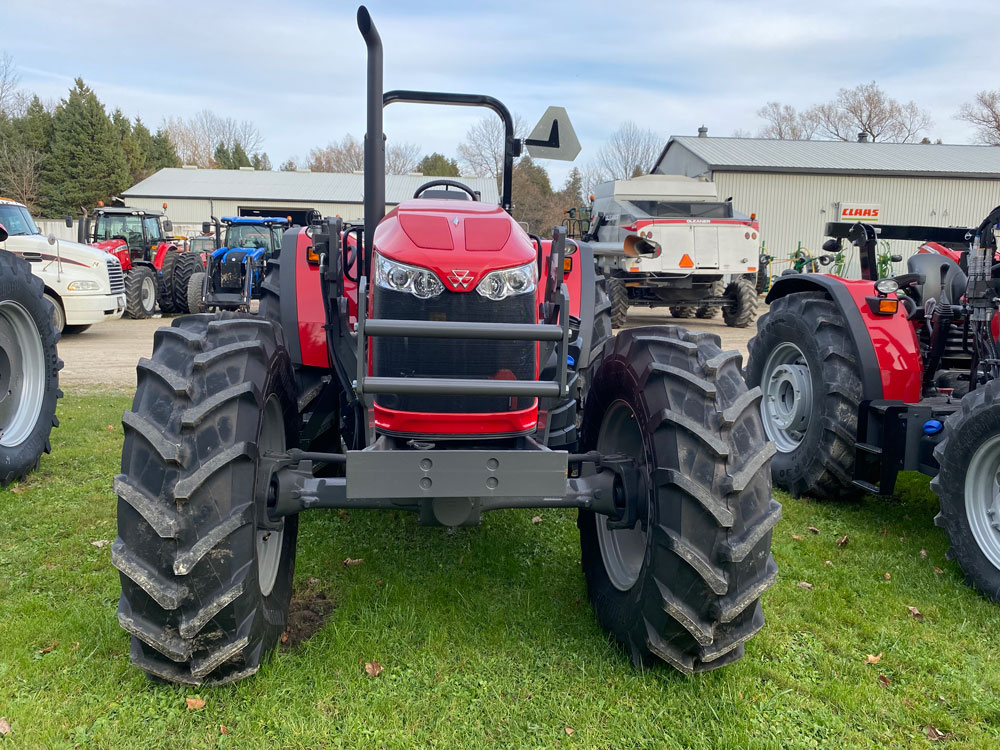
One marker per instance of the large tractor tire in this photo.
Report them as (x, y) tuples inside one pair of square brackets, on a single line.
[(165, 283), (967, 486), (206, 576), (140, 292), (707, 312), (29, 370), (196, 293), (618, 294), (184, 268), (802, 359), (683, 311), (743, 310), (684, 587)]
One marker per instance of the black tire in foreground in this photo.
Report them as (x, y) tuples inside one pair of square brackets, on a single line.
[(29, 369), (619, 302), (686, 588), (743, 311), (802, 358), (140, 292), (966, 484), (683, 311), (165, 283), (186, 265), (206, 578), (195, 293)]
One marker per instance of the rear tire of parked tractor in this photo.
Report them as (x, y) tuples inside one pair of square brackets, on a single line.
[(140, 292), (686, 590), (165, 284), (683, 311), (966, 485), (803, 360), (29, 369), (186, 265), (743, 310), (619, 302), (195, 293), (707, 312), (206, 580)]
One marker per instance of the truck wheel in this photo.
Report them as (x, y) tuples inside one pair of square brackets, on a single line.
[(685, 586), (185, 265), (619, 302), (743, 310), (802, 359), (57, 314), (70, 330), (29, 369), (967, 486), (165, 284), (206, 578), (683, 311), (707, 312), (140, 292), (195, 289)]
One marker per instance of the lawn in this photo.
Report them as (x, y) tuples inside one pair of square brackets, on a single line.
[(486, 638)]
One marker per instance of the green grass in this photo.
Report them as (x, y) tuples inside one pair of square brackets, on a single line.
[(486, 636)]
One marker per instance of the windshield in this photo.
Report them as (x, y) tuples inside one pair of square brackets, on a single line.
[(16, 220), (248, 235), (153, 228), (683, 210), (122, 226)]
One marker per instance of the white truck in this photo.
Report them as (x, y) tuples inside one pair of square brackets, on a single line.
[(83, 284), (698, 255)]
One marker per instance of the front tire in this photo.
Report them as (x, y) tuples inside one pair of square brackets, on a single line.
[(206, 582), (186, 266), (686, 589), (708, 312), (140, 292), (618, 293), (195, 293), (683, 311)]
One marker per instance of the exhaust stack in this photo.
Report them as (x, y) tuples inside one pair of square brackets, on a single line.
[(374, 138)]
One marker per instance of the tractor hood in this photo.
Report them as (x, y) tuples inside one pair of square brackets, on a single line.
[(455, 239)]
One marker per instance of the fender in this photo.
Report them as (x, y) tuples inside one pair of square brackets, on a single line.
[(886, 346)]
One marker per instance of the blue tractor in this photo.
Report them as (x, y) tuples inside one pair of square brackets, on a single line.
[(234, 270)]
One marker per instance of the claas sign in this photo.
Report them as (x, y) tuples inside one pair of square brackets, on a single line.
[(852, 212)]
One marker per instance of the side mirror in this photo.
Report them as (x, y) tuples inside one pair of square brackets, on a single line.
[(168, 226), (832, 246), (3, 233), (52, 239), (206, 227), (69, 222), (896, 258)]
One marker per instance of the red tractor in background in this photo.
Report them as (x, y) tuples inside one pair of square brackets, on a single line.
[(442, 361), (862, 379), (139, 238)]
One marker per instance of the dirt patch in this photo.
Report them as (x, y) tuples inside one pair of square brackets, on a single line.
[(306, 615)]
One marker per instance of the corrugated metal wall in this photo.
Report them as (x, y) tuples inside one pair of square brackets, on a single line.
[(794, 208)]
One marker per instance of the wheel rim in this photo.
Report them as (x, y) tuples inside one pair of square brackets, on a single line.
[(787, 405), (982, 498), (622, 550), (147, 292), (22, 374), (269, 541)]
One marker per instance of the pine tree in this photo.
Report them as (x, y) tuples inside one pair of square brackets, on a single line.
[(239, 157), (162, 153), (438, 165), (222, 157), (86, 163), (131, 147)]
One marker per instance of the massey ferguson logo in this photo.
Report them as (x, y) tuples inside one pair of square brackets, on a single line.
[(460, 278)]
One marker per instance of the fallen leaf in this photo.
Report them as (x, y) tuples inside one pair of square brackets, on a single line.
[(885, 530), (111, 428), (284, 637), (842, 542), (48, 649), (936, 735), (813, 529), (923, 554), (194, 704), (536, 519), (379, 582), (917, 614), (873, 659), (19, 488), (100, 543), (373, 668), (888, 576), (804, 585), (569, 731), (829, 563), (938, 571), (796, 537), (353, 563), (884, 680), (4, 727), (222, 729)]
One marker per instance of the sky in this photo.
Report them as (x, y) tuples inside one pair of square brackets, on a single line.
[(296, 68)]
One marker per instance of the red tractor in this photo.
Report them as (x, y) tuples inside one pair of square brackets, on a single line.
[(862, 379), (437, 360), (139, 239)]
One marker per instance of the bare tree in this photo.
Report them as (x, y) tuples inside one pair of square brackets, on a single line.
[(481, 153), (401, 158), (984, 114), (9, 80), (629, 152), (868, 109), (20, 173), (785, 123), (346, 156), (197, 138)]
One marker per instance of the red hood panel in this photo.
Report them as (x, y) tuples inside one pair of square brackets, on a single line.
[(455, 239)]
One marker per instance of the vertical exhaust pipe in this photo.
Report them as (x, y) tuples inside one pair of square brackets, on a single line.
[(374, 139)]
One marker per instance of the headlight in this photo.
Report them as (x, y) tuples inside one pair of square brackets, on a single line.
[(83, 286), (399, 277), (498, 285), (886, 286)]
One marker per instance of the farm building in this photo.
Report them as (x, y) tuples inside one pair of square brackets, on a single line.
[(796, 187), (193, 195)]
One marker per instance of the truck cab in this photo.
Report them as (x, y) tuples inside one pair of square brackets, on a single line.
[(84, 285)]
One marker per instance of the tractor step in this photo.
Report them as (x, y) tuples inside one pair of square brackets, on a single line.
[(869, 448), (867, 486)]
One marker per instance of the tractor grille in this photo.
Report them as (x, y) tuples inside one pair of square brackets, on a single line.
[(453, 358), (115, 276)]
